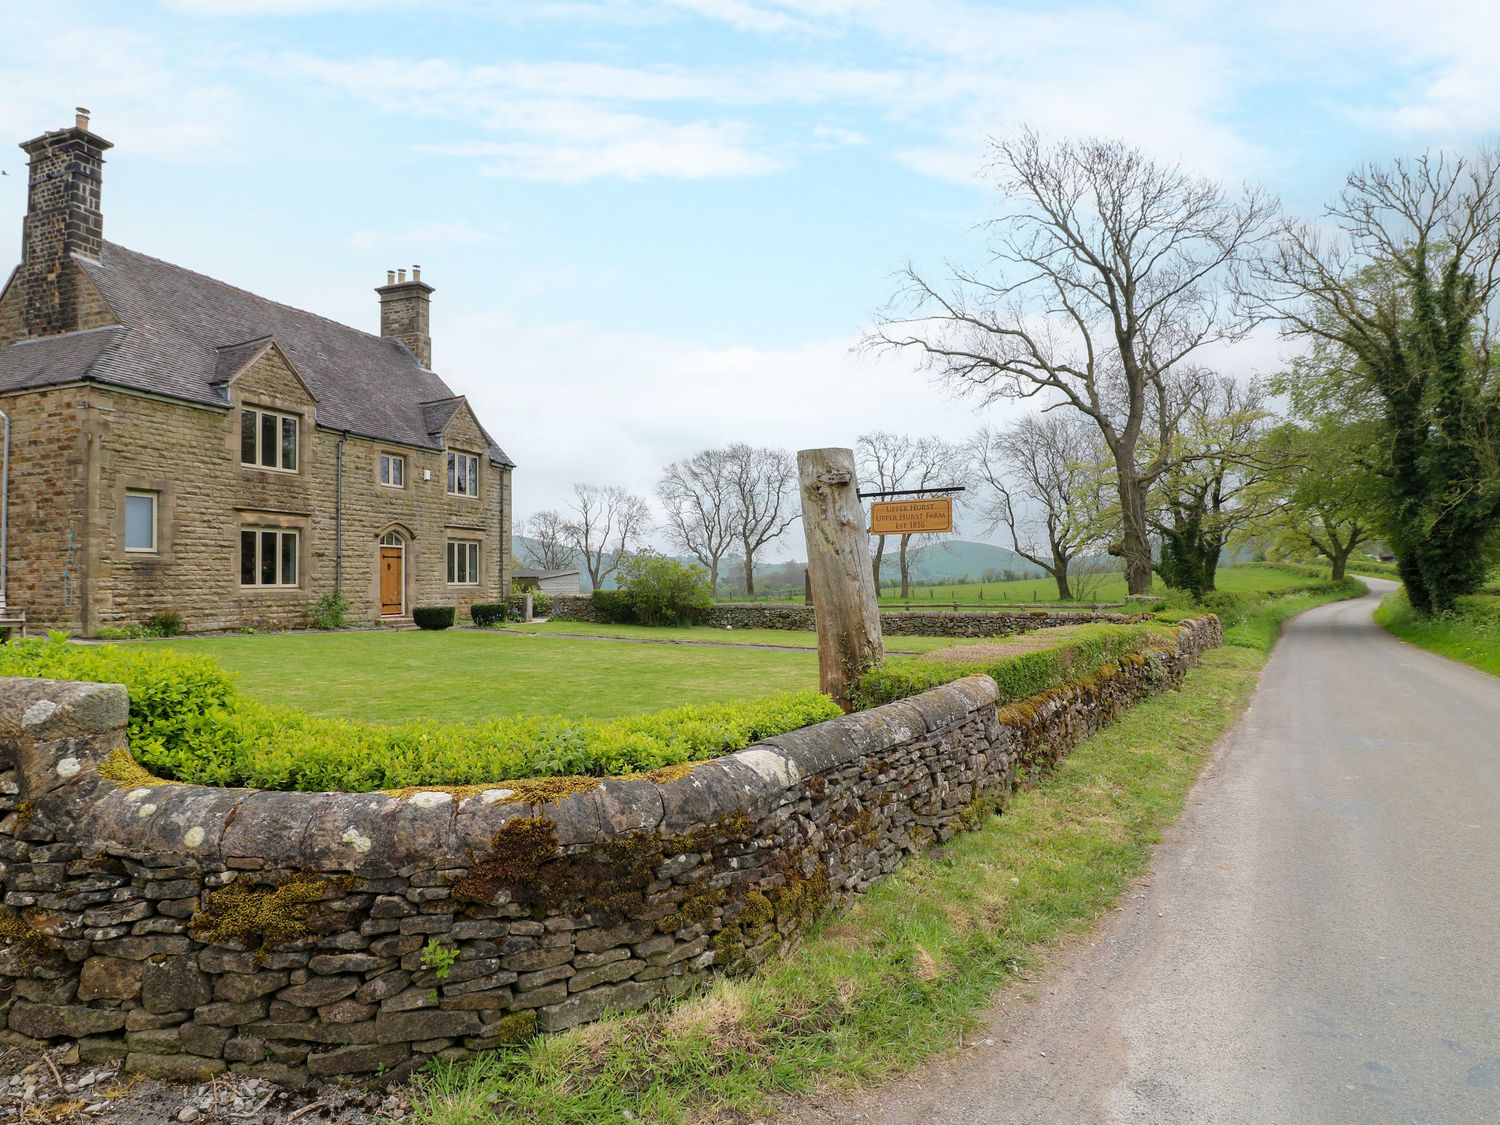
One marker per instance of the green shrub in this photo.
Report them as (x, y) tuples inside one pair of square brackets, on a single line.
[(187, 723), (1087, 649), (541, 604), (613, 606), (433, 616), (122, 633), (663, 591), (167, 623), (487, 613), (331, 611)]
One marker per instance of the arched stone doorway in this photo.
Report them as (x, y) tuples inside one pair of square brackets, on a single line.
[(392, 571)]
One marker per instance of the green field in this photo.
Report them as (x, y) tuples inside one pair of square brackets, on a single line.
[(388, 677), (1235, 579)]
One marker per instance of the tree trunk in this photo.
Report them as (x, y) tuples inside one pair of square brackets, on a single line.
[(905, 569), (749, 571), (876, 560), (713, 578), (838, 568), (1137, 547)]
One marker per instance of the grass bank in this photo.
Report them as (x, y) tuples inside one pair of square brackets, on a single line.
[(1470, 635), (902, 972)]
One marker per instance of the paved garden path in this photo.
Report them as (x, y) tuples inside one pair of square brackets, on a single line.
[(1318, 940)]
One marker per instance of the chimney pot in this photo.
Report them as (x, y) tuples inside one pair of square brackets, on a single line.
[(390, 277), (81, 118), (416, 273), (401, 276)]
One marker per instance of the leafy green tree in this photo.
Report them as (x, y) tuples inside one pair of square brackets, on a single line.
[(1403, 300), (663, 591), (1219, 484), (1331, 496)]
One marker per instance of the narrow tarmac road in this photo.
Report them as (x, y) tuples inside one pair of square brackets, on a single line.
[(1318, 939)]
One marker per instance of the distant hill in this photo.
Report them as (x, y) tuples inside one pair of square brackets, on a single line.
[(959, 559)]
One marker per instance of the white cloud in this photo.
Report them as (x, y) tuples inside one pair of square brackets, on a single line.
[(634, 401)]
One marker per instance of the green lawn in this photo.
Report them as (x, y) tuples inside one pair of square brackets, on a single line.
[(1235, 579), (700, 633), (387, 676), (1471, 635)]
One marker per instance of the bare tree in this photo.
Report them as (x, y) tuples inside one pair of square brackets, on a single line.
[(699, 496), (885, 462), (547, 541), (606, 520), (1047, 475), (764, 487), (1106, 277), (936, 464)]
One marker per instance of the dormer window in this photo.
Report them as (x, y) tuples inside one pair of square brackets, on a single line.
[(463, 474), (268, 439)]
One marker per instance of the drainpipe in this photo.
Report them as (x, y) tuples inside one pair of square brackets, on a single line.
[(338, 515), (4, 510)]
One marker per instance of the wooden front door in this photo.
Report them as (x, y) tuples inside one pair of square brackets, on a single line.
[(392, 581)]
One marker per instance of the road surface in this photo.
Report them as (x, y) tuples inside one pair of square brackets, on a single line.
[(1318, 939)]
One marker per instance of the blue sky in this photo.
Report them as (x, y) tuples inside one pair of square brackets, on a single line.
[(655, 226)]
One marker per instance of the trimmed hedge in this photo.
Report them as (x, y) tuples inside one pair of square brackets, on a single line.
[(433, 616), (613, 606), (1084, 651), (187, 723), (487, 613)]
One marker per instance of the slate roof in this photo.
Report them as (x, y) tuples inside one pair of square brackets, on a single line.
[(180, 332)]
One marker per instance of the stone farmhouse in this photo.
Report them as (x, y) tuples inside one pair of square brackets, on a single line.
[(178, 444)]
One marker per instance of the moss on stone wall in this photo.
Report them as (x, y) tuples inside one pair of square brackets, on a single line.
[(262, 917)]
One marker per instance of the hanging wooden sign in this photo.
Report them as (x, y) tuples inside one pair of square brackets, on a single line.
[(910, 517)]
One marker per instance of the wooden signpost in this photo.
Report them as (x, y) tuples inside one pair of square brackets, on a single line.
[(911, 517), (838, 571)]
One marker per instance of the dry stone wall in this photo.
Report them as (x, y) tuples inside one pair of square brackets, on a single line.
[(893, 623), (190, 930)]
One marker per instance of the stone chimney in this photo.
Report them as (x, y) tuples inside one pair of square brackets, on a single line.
[(63, 221), (404, 305)]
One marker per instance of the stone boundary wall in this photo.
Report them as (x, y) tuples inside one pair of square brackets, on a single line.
[(189, 930), (893, 623)]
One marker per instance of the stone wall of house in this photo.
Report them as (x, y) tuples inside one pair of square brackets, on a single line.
[(893, 623), (51, 450), (78, 450), (191, 929)]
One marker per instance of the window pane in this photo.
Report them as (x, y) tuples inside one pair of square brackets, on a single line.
[(247, 437), (288, 558), (289, 443), (398, 471), (140, 523), (268, 440), (451, 471), (268, 558), (473, 562), (385, 469), (463, 476), (473, 476), (452, 556), (247, 558)]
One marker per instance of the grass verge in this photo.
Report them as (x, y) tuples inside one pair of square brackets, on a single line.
[(1470, 635), (900, 973)]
